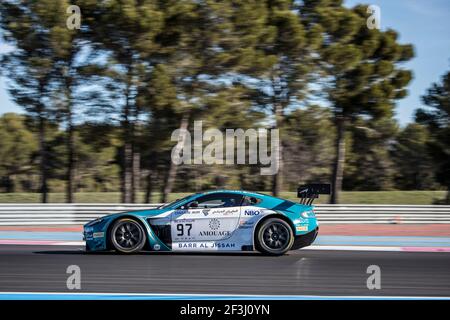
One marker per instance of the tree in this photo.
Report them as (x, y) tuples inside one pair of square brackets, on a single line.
[(49, 19), (97, 167), (368, 160), (362, 68), (281, 82), (126, 31), (206, 43), (437, 120), (414, 164), (30, 69), (230, 108), (159, 99), (309, 152), (66, 46)]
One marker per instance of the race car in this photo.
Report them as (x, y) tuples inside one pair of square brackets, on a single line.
[(219, 220)]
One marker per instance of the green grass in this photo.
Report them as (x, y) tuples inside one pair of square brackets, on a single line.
[(356, 197)]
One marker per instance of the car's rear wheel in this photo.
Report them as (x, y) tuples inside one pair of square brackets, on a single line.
[(127, 236), (274, 237)]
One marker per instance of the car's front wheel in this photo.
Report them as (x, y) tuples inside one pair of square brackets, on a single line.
[(127, 236), (274, 237)]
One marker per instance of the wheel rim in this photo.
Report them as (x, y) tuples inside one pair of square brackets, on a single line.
[(276, 236), (127, 235)]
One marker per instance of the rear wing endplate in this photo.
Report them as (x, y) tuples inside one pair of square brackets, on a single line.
[(308, 192)]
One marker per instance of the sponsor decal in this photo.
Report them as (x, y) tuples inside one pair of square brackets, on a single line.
[(251, 212), (214, 233), (302, 228), (226, 212), (206, 211), (187, 245), (98, 234), (214, 224), (301, 221), (156, 247), (182, 220), (206, 245), (180, 212), (223, 245)]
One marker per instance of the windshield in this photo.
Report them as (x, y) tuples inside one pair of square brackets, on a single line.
[(174, 203)]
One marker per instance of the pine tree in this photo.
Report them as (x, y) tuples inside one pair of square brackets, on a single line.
[(437, 120), (362, 70), (30, 69), (206, 43), (125, 30), (281, 82)]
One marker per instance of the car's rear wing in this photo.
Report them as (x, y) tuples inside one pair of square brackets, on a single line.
[(308, 192)]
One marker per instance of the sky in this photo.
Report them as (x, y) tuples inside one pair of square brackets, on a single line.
[(423, 23)]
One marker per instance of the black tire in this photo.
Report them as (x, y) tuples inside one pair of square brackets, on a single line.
[(127, 236), (274, 237)]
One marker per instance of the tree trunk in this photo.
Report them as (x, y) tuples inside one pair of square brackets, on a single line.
[(277, 182), (70, 160), (277, 185), (171, 174), (338, 167), (43, 187), (70, 174), (136, 157), (9, 182), (149, 187), (127, 174), (136, 176), (127, 163)]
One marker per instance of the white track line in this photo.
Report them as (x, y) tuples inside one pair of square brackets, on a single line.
[(313, 247), (353, 248), (207, 296)]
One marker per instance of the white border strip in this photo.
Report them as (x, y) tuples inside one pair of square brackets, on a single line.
[(100, 295), (313, 247)]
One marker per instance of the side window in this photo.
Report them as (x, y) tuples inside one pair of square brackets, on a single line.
[(250, 201), (219, 200)]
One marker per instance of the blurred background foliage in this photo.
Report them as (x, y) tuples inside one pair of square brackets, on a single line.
[(101, 102)]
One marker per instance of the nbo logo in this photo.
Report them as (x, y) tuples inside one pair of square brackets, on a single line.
[(251, 212)]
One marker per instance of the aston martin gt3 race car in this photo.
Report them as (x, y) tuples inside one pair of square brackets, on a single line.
[(220, 220)]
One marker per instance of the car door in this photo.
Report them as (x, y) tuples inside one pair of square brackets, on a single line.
[(211, 217)]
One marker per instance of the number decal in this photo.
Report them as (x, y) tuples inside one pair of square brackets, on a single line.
[(181, 228), (190, 227)]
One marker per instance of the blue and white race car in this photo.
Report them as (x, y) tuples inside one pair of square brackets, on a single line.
[(220, 220)]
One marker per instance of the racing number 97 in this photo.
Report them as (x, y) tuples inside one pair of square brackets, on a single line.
[(181, 228)]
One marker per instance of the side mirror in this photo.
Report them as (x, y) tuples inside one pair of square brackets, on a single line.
[(193, 204)]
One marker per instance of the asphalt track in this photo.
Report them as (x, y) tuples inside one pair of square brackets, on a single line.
[(309, 272)]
